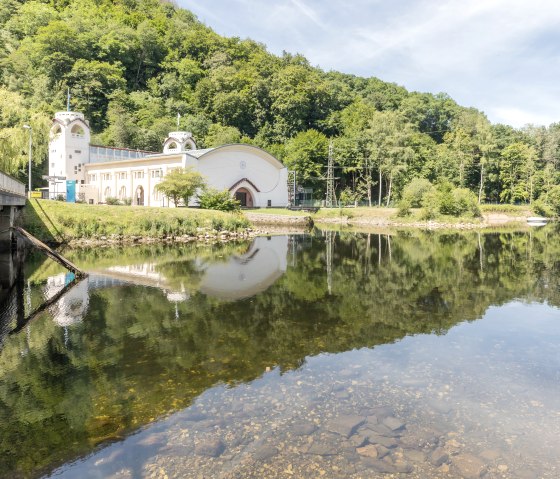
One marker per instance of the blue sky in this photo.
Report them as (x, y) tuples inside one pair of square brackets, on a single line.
[(500, 56)]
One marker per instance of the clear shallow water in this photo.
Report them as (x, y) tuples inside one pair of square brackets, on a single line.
[(306, 356)]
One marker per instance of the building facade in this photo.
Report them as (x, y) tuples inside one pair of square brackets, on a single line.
[(252, 175)]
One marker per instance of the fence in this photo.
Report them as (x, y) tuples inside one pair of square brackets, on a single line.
[(11, 186)]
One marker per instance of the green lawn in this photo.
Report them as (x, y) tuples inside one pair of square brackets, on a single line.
[(58, 221)]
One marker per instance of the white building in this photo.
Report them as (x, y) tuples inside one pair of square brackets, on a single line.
[(252, 175)]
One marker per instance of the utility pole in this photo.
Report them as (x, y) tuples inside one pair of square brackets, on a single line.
[(330, 200), (27, 127)]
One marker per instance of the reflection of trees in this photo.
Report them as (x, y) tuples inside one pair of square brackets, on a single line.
[(131, 360)]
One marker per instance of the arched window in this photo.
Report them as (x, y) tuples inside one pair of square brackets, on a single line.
[(107, 192), (173, 146), (56, 131), (78, 131), (122, 192)]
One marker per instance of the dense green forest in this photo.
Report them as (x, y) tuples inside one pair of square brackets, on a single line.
[(132, 65)]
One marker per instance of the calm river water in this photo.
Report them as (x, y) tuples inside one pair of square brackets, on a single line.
[(336, 355)]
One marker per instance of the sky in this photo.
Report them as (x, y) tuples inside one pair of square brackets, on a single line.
[(499, 56)]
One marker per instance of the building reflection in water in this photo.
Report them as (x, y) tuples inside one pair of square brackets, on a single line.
[(249, 274), (238, 277)]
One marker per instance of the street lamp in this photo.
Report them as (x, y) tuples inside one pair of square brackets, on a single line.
[(27, 127)]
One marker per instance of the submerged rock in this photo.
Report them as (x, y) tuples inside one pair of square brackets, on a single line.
[(468, 466), (345, 425), (210, 448), (265, 452)]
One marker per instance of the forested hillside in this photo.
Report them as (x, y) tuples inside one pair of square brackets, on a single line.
[(132, 65)]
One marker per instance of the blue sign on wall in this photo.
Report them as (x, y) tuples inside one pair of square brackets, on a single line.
[(71, 191)]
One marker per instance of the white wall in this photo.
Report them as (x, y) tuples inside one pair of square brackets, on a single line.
[(225, 166), (222, 168)]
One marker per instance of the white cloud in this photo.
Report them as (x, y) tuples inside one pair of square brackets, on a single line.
[(497, 55)]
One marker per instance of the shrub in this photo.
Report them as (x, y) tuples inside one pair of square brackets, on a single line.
[(414, 192), (127, 201), (110, 200), (404, 207), (553, 200), (541, 208), (450, 201), (212, 199), (466, 202), (348, 197)]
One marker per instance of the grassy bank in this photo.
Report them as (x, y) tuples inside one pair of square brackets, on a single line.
[(55, 221), (491, 215)]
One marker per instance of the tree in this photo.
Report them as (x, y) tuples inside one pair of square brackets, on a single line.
[(390, 138), (517, 173), (181, 183), (307, 154)]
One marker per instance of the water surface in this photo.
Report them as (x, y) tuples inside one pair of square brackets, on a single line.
[(334, 355)]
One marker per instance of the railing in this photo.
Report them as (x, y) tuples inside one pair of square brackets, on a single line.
[(11, 186)]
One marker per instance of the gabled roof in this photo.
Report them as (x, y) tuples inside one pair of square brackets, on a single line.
[(244, 180)]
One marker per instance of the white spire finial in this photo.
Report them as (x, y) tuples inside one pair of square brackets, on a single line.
[(68, 100), (178, 119)]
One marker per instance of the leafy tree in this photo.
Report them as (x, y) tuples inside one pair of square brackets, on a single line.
[(306, 153), (181, 183), (516, 173)]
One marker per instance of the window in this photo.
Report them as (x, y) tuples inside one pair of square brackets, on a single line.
[(77, 131), (79, 152), (156, 174), (121, 175), (92, 178), (106, 176)]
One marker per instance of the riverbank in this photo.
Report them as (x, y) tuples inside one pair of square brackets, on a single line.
[(492, 216), (57, 222), (91, 225)]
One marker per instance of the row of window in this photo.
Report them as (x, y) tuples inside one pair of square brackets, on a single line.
[(122, 175), (156, 195)]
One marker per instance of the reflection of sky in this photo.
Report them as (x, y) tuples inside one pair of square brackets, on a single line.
[(493, 382)]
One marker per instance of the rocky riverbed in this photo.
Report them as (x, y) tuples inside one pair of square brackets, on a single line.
[(356, 415)]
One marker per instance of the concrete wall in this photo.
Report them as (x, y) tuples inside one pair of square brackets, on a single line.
[(233, 167), (7, 218)]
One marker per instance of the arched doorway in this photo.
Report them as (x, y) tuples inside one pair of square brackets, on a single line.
[(122, 193), (139, 196), (107, 193), (245, 198)]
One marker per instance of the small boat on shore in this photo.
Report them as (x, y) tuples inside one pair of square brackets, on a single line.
[(537, 220)]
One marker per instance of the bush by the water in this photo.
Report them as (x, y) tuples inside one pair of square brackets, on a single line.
[(413, 194), (450, 201), (212, 199), (443, 199), (549, 203)]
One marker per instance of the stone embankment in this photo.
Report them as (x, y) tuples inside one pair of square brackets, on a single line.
[(290, 221)]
